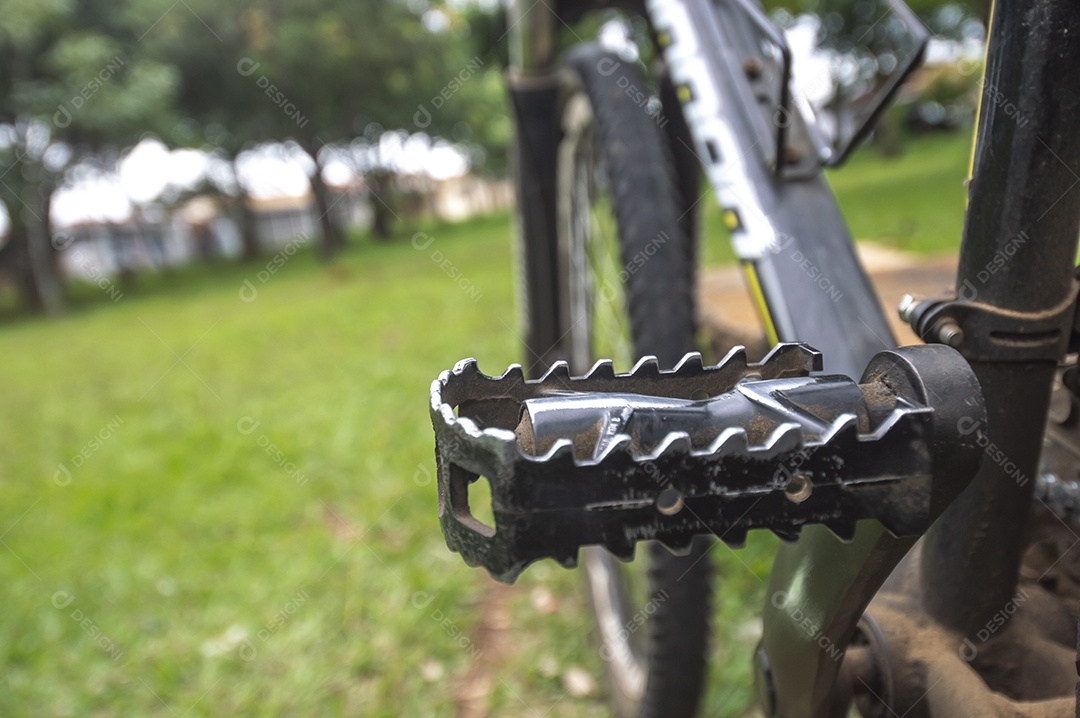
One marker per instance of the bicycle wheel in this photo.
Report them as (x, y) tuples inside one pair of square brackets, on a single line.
[(626, 290)]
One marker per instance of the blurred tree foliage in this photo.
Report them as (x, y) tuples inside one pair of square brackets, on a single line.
[(941, 17), (86, 79), (74, 82), (324, 73)]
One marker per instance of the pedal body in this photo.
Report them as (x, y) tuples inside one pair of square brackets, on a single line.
[(612, 459)]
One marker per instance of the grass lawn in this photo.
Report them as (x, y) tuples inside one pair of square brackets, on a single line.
[(211, 506), (914, 202)]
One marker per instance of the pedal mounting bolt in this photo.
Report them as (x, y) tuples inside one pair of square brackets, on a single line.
[(950, 333), (906, 308)]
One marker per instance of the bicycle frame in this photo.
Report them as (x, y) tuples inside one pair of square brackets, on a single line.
[(802, 268)]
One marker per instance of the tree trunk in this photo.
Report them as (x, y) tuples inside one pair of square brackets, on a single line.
[(331, 239), (381, 213), (31, 262), (18, 261), (245, 219), (31, 256), (42, 252)]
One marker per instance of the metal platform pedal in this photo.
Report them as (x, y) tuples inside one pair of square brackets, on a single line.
[(612, 459)]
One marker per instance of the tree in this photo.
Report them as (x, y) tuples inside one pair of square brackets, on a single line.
[(218, 101), (942, 17), (74, 81), (316, 71)]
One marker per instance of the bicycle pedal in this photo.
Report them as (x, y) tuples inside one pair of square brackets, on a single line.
[(612, 459)]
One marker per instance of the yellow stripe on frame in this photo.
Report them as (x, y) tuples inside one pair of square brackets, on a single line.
[(760, 303), (979, 104)]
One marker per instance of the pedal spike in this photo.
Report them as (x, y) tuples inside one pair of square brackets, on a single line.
[(646, 367), (559, 371), (790, 359), (469, 426), (568, 559), (561, 452), (736, 357), (690, 365), (785, 438), (678, 544), (788, 534), (513, 373), (731, 441), (467, 367), (844, 428), (621, 548), (900, 416), (621, 442), (843, 528), (735, 537), (677, 442), (602, 369)]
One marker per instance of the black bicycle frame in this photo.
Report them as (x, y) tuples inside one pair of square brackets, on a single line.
[(1023, 205), (789, 232)]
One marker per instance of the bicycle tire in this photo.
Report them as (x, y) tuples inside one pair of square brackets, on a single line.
[(656, 651)]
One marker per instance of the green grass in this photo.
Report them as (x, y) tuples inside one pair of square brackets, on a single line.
[(311, 580), (913, 202), (180, 538)]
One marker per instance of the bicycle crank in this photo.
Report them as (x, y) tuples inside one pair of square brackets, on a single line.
[(612, 459)]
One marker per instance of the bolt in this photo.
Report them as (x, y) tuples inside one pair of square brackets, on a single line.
[(669, 502), (752, 67), (950, 333), (798, 489), (907, 306)]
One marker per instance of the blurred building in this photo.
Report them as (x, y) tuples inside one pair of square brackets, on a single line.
[(207, 227)]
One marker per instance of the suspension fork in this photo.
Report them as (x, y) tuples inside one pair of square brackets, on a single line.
[(532, 88)]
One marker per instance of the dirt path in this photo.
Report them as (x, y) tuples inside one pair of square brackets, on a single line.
[(726, 306), (493, 643)]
